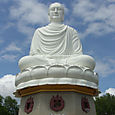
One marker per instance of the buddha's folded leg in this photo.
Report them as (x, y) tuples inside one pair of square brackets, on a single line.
[(82, 60), (31, 61)]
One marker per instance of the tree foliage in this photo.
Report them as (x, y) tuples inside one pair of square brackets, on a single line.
[(8, 106), (105, 105)]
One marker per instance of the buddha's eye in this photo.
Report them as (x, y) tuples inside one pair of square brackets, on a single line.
[(52, 9), (59, 9)]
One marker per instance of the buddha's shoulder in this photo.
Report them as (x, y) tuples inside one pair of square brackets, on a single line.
[(40, 28), (71, 29)]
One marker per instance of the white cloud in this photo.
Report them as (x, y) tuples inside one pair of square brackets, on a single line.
[(105, 67), (31, 11), (7, 85), (111, 0), (66, 10), (27, 30), (111, 91), (8, 25), (112, 61), (99, 17), (101, 94), (12, 47), (9, 57), (10, 52), (90, 52), (1, 41), (97, 28), (84, 9), (4, 1), (28, 12)]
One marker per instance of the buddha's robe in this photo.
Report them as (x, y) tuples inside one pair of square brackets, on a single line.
[(56, 40), (56, 44)]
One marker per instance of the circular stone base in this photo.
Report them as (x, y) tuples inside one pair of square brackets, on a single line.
[(57, 87), (56, 74), (57, 103)]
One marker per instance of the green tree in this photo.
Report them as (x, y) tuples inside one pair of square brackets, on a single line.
[(1, 100), (8, 106), (11, 105), (3, 110), (105, 105)]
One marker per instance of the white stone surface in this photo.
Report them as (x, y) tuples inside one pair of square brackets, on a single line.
[(56, 58), (56, 43), (72, 104), (55, 39), (57, 74), (32, 61)]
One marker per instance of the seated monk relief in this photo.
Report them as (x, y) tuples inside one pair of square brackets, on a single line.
[(56, 44)]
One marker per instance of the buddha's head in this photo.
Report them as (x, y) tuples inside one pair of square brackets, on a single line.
[(56, 13)]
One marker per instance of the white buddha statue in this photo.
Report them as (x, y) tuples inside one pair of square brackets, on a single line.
[(56, 44)]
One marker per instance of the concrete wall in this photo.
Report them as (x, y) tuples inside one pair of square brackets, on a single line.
[(72, 104)]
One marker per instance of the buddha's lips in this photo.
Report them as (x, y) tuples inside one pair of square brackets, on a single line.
[(56, 15)]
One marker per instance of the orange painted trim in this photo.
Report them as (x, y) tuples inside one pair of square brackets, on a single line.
[(48, 88)]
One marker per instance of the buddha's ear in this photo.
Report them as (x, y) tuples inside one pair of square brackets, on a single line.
[(49, 18), (49, 15)]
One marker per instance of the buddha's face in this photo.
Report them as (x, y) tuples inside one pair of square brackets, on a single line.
[(56, 12)]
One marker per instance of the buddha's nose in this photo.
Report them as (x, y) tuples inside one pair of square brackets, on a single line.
[(56, 9)]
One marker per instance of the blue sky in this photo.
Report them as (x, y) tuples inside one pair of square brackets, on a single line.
[(94, 21)]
